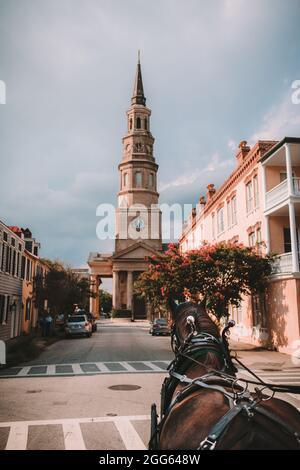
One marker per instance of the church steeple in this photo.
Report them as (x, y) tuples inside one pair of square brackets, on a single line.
[(138, 96)]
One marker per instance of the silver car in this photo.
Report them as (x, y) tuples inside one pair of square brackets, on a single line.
[(78, 325)]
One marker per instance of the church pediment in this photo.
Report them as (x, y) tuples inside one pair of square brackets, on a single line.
[(137, 251)]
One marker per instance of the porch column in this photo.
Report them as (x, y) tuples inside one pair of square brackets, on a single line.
[(129, 290), (94, 301), (264, 185), (115, 289), (289, 170), (267, 230), (293, 229)]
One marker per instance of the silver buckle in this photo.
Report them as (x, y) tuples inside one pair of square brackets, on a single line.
[(209, 443), (183, 378)]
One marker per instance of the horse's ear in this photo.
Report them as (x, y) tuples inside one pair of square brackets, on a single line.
[(173, 306)]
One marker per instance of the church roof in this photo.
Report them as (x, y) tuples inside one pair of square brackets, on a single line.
[(138, 96)]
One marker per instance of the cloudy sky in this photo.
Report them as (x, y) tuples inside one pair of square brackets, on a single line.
[(215, 72)]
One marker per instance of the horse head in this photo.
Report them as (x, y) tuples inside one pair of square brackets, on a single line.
[(190, 317)]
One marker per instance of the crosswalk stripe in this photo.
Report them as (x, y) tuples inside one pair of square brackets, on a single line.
[(154, 366), (17, 439), (130, 437), (24, 371), (102, 367), (128, 366), (51, 370), (73, 436), (77, 369), (72, 433)]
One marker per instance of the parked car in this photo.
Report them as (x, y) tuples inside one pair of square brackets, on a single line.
[(159, 327), (60, 321), (78, 325)]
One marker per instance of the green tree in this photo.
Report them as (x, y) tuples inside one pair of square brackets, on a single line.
[(62, 288), (219, 274), (105, 301)]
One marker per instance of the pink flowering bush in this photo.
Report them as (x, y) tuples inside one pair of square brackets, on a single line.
[(219, 275)]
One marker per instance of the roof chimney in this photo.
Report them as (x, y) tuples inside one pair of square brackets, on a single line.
[(210, 191), (242, 152)]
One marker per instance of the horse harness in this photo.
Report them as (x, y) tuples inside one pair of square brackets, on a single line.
[(238, 397)]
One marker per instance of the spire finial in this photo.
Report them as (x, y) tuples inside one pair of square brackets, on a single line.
[(138, 96), (139, 56)]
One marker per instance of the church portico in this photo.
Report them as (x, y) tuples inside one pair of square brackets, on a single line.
[(138, 217)]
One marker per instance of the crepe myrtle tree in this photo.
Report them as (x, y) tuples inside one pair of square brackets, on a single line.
[(218, 275)]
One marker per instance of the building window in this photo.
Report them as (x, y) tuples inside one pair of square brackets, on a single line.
[(234, 211), (146, 124), (138, 123), (13, 242), (237, 314), (130, 124), (5, 236), (259, 316), (125, 180), (23, 264), (249, 196), (4, 308), (229, 214), (27, 309), (256, 192), (138, 179), (8, 255), (252, 239), (220, 219), (287, 240), (213, 228), (151, 180)]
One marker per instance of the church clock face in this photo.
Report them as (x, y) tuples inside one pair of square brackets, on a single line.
[(138, 224)]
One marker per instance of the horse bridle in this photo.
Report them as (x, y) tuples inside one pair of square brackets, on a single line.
[(239, 398)]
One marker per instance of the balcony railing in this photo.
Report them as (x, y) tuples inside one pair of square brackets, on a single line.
[(283, 263), (280, 192)]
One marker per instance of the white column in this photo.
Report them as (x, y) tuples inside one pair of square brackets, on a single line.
[(115, 288), (129, 290), (264, 185), (267, 230), (293, 229), (289, 170)]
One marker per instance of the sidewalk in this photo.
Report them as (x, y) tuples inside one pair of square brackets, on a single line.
[(259, 358)]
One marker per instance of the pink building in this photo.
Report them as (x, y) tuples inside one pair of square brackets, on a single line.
[(259, 202)]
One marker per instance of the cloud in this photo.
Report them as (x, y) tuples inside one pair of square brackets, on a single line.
[(280, 121), (215, 163)]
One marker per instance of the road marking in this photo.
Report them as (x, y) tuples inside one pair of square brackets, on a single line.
[(24, 371), (51, 371), (153, 366), (73, 436), (18, 434), (77, 369), (102, 367), (129, 367), (130, 437)]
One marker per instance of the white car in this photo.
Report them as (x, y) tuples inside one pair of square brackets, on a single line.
[(78, 325)]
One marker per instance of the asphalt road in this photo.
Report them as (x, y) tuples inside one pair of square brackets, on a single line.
[(109, 343), (105, 403)]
